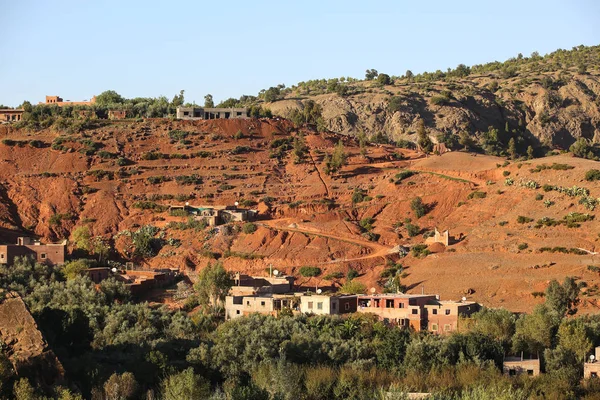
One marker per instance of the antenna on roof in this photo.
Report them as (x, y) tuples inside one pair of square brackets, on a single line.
[(319, 291), (373, 290), (463, 299), (114, 270), (236, 204), (592, 358), (275, 272)]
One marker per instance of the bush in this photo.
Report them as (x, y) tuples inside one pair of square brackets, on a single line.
[(592, 175), (539, 196), (310, 271), (506, 173), (248, 228), (412, 230), (353, 287), (420, 250), (334, 275), (523, 220), (418, 207), (352, 273), (523, 246), (477, 195)]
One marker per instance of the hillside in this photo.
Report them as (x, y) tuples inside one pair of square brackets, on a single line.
[(119, 177), (546, 102)]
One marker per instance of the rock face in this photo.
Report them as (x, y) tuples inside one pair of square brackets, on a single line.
[(554, 108), (25, 345)]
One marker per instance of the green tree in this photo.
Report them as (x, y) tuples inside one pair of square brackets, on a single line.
[(572, 335), (353, 287), (409, 74), (535, 332), (423, 140), (208, 101), (178, 99), (120, 386), (562, 299), (384, 79), (185, 385), (213, 284), (512, 149), (338, 158), (464, 139), (81, 238), (418, 207), (109, 97), (496, 323), (299, 149), (371, 74), (529, 152), (75, 268), (22, 390)]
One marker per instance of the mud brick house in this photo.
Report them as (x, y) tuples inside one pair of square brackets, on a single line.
[(268, 304), (117, 114), (98, 274), (51, 253), (404, 310), (246, 285), (444, 316), (591, 368), (217, 215), (328, 304), (57, 100), (419, 312), (519, 365), (11, 115), (211, 113)]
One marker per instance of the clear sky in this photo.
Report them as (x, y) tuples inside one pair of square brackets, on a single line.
[(76, 49)]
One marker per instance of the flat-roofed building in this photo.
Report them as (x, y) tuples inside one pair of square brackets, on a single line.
[(211, 113), (519, 365), (444, 316), (268, 304), (328, 304), (404, 310), (49, 253), (591, 368), (11, 114)]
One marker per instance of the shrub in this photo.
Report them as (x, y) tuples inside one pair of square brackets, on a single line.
[(402, 175), (358, 195), (248, 228), (506, 173), (477, 195), (366, 223), (352, 273), (539, 196), (592, 175), (412, 230), (523, 220), (547, 188), (593, 268), (310, 271), (418, 207), (502, 223), (420, 250), (334, 275), (353, 287), (188, 179), (523, 246)]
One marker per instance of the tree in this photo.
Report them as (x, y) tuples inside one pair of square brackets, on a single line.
[(108, 98), (81, 238), (409, 75), (26, 106), (572, 335), (22, 390), (120, 386), (371, 74), (423, 140), (73, 269), (185, 385), (353, 287), (208, 101), (299, 149), (213, 284), (464, 139), (418, 207), (535, 332), (580, 148), (496, 323), (338, 158), (179, 99), (100, 248), (362, 143), (529, 152), (512, 149), (562, 299), (384, 79)]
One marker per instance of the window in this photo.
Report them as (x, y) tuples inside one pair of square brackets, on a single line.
[(320, 305), (334, 305), (400, 305), (310, 305), (248, 303), (593, 375), (447, 312), (447, 327), (2, 256), (43, 256), (530, 372), (434, 327), (389, 303), (347, 306), (512, 372), (415, 311), (262, 303), (434, 311), (237, 312)]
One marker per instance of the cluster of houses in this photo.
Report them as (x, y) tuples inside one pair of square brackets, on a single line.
[(421, 312), (193, 113), (216, 215)]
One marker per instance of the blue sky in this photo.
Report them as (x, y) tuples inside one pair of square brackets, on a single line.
[(76, 49)]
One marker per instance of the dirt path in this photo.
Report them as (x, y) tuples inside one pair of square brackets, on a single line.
[(377, 250), (319, 173)]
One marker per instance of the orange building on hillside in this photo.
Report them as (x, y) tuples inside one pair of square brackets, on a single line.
[(60, 102)]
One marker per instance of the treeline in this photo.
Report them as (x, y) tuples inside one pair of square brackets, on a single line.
[(113, 348)]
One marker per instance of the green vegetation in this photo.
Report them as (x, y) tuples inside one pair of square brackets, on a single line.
[(412, 230), (524, 220), (420, 250), (337, 160), (477, 195), (353, 287), (249, 228), (592, 175), (418, 207), (310, 271)]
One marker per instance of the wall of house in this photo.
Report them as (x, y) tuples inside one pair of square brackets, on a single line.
[(238, 306), (519, 367)]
